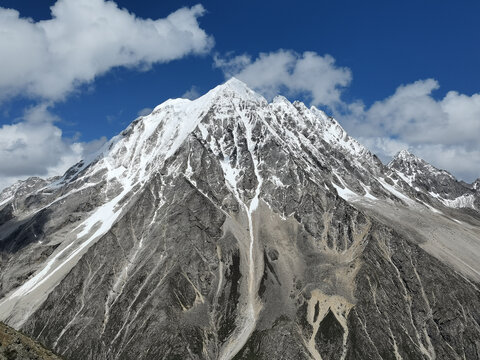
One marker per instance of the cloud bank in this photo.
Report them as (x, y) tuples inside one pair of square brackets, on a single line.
[(47, 60), (445, 132), (144, 111), (35, 146), (317, 77), (86, 38), (191, 93)]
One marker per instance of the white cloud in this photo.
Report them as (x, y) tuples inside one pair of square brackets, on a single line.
[(445, 132), (35, 147), (191, 93), (272, 73), (144, 111), (86, 38), (47, 60), (384, 147)]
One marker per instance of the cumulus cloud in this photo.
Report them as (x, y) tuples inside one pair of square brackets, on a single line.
[(86, 38), (285, 71), (191, 93), (35, 147), (444, 131), (47, 60), (144, 111)]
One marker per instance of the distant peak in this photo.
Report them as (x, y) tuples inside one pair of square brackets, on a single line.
[(406, 161), (405, 155), (402, 157)]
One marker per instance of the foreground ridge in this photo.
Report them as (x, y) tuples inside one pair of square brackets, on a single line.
[(14, 345)]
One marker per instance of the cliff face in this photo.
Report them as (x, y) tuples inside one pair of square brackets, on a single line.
[(230, 227)]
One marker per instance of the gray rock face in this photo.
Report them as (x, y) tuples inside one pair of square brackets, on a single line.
[(436, 183), (230, 227), (476, 185)]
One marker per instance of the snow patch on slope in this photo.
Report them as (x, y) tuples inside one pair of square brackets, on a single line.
[(464, 201), (394, 191)]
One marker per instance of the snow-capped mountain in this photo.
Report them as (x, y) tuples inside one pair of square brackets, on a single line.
[(230, 227), (439, 184)]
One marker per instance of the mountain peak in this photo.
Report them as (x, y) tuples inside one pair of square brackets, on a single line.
[(232, 88), (408, 162), (236, 83), (221, 208), (425, 177), (404, 160), (405, 155)]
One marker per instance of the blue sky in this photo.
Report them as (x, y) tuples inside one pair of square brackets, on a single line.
[(395, 74)]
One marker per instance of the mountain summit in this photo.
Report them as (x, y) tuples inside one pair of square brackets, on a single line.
[(230, 227), (439, 184)]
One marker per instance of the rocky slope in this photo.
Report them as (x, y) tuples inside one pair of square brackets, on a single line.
[(17, 346), (229, 227)]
